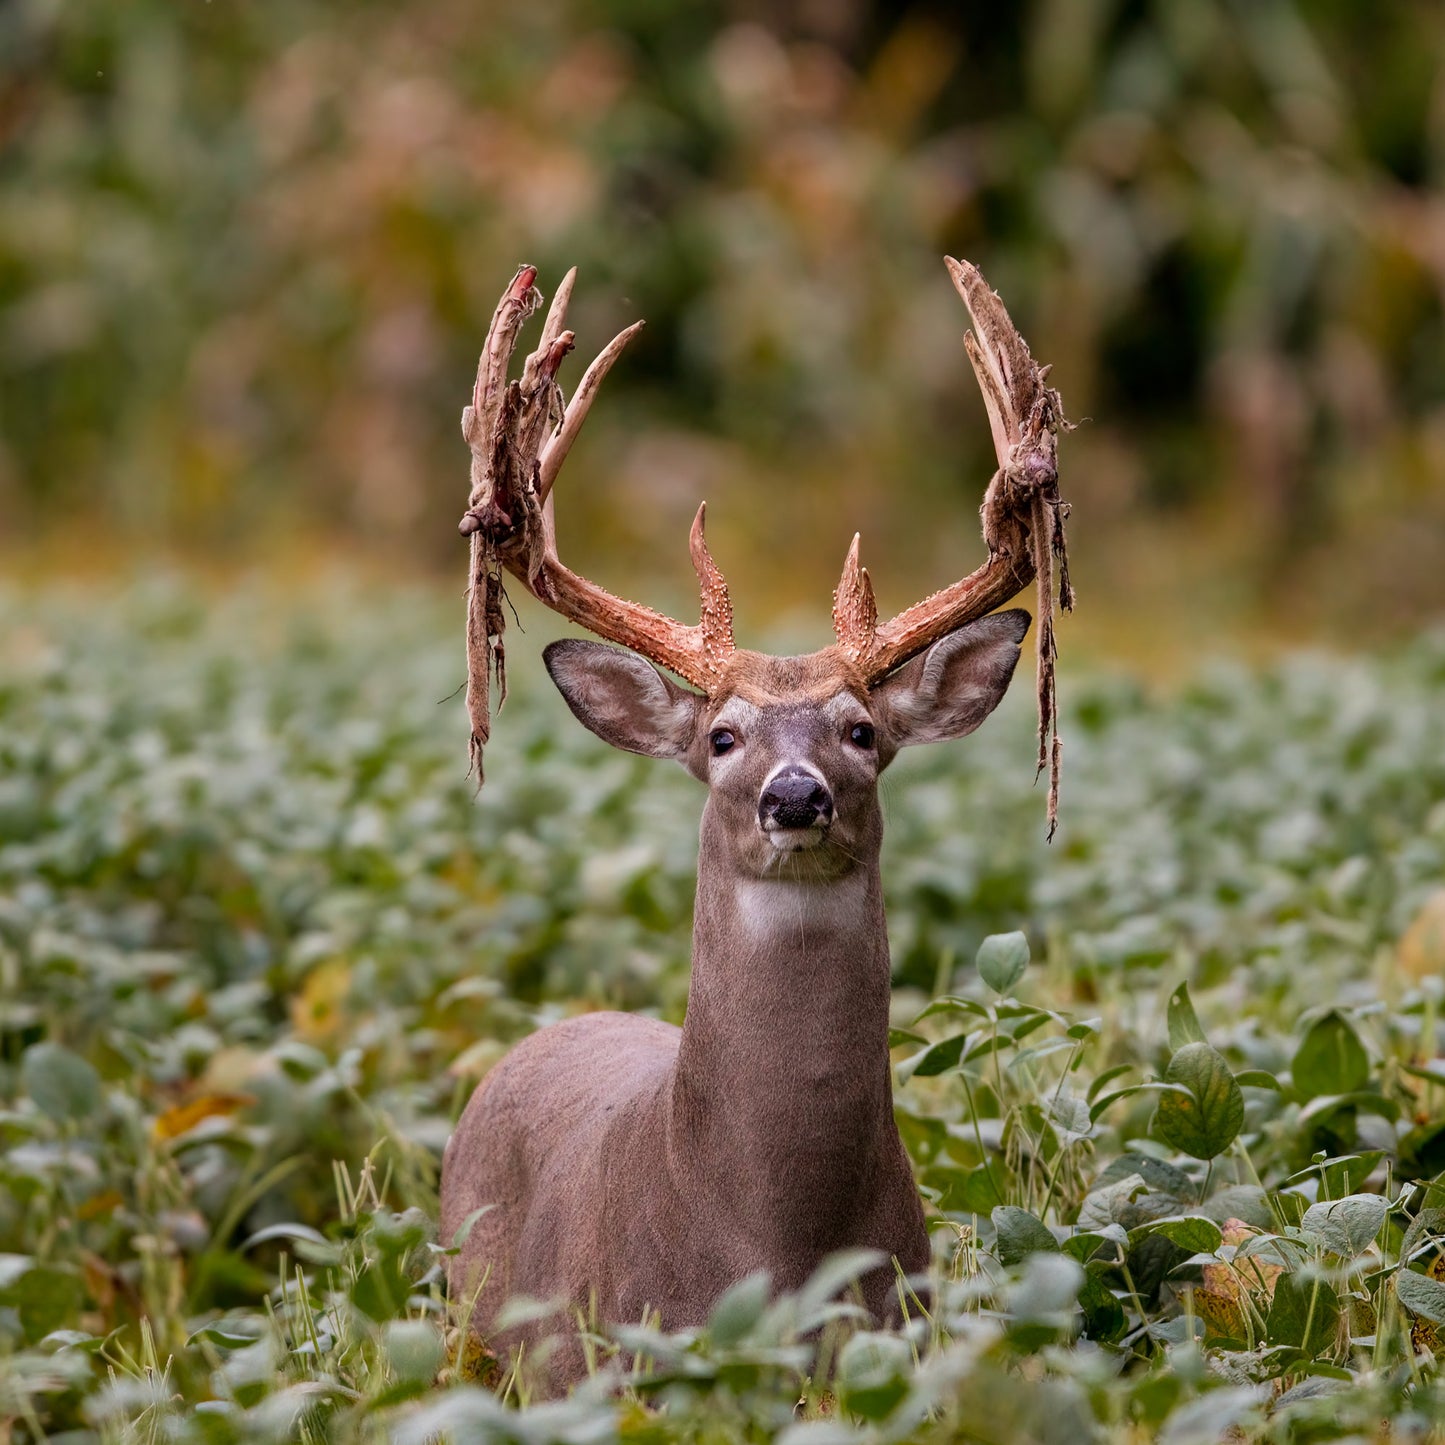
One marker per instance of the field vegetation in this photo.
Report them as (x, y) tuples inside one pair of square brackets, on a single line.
[(1172, 1086)]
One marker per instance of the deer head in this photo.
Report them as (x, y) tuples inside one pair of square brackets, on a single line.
[(791, 748)]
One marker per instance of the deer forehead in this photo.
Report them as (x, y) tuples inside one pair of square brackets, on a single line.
[(814, 680)]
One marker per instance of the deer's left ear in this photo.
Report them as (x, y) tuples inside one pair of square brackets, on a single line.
[(623, 698), (947, 691)]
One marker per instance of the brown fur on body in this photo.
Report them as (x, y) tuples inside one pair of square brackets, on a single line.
[(646, 1167)]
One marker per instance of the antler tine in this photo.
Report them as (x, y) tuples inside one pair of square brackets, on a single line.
[(715, 615), (518, 302), (1024, 416), (560, 442), (509, 514), (1022, 514), (855, 612), (557, 311)]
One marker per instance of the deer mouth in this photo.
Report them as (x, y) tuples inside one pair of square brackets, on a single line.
[(794, 840)]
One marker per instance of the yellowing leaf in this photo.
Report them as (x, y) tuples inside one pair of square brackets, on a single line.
[(182, 1118), (98, 1204), (1223, 1315), (1425, 1335), (1221, 1301), (1422, 948), (316, 1011), (473, 1361), (230, 1069)]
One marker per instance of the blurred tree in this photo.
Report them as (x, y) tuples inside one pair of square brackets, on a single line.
[(247, 253)]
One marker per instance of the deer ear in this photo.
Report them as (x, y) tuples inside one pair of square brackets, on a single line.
[(623, 698), (947, 691)]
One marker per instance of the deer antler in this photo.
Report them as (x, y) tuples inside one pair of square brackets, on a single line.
[(1023, 524), (519, 434)]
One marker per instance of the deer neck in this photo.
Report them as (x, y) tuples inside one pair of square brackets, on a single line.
[(783, 1091)]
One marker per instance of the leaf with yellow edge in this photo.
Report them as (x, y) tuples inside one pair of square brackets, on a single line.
[(316, 1012), (1223, 1299), (1426, 1336), (182, 1118), (1422, 947)]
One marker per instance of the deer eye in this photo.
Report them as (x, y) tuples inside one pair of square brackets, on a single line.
[(721, 740), (862, 735)]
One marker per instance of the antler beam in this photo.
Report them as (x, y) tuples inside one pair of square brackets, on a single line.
[(520, 434), (1023, 524)]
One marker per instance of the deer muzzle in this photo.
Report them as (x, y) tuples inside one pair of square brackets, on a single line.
[(795, 800)]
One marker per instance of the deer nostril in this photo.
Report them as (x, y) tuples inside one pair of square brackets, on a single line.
[(795, 799)]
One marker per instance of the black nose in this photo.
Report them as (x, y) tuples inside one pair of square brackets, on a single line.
[(795, 799)]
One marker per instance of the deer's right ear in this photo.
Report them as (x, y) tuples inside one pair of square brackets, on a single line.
[(623, 698), (947, 691)]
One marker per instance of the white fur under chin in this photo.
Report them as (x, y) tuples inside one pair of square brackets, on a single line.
[(794, 840)]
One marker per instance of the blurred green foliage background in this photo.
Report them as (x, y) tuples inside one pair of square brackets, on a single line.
[(248, 252)]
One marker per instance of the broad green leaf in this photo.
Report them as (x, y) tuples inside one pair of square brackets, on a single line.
[(739, 1309), (1162, 1177), (1070, 1117), (873, 1373), (1184, 1025), (414, 1350), (1101, 1081), (951, 1003), (310, 1244), (62, 1084), (1330, 1059), (1114, 1203), (836, 1272), (978, 1190), (1347, 1226), (1097, 1108), (1021, 1234), (381, 1289), (398, 1233), (78, 1340), (1012, 1008), (1048, 1290), (1002, 959), (1205, 1120), (1221, 1414), (1421, 1295), (1104, 1317), (935, 1059), (1189, 1231), (1257, 1079), (1361, 1100), (48, 1297), (1019, 1026), (1108, 1242), (1303, 1313), (1426, 1226), (1246, 1202)]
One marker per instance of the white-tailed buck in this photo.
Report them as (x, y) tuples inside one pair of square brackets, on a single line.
[(640, 1166)]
